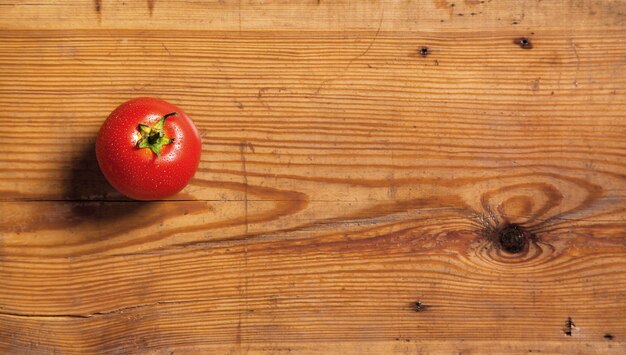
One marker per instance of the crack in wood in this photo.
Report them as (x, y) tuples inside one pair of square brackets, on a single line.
[(99, 313)]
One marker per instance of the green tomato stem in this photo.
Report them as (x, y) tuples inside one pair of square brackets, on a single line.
[(154, 137)]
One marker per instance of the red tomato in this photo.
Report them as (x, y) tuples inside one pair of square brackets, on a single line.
[(148, 149)]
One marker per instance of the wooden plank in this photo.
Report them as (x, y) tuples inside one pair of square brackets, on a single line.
[(316, 15), (342, 285), (316, 107), (346, 175)]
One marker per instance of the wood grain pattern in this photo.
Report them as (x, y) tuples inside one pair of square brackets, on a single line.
[(346, 175)]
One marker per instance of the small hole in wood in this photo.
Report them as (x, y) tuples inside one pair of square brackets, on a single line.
[(418, 306), (569, 326), (523, 42), (424, 51)]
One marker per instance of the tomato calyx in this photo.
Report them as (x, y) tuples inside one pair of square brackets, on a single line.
[(154, 137)]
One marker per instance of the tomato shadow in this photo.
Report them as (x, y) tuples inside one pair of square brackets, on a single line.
[(93, 198)]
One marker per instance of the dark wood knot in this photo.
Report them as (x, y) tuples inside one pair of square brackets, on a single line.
[(512, 238)]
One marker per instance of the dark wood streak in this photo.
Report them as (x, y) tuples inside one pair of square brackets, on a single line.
[(151, 4), (285, 203), (98, 7)]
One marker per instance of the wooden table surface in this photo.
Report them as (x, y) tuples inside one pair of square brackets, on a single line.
[(377, 177)]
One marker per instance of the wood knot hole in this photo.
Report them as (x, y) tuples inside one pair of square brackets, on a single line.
[(512, 238), (424, 51), (524, 42)]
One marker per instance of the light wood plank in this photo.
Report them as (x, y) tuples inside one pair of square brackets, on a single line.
[(338, 15)]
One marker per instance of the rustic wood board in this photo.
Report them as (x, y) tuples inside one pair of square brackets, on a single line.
[(346, 175)]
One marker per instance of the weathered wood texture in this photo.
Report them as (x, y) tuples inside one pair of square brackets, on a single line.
[(346, 175)]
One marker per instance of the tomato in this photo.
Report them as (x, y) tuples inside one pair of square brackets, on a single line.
[(148, 149)]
